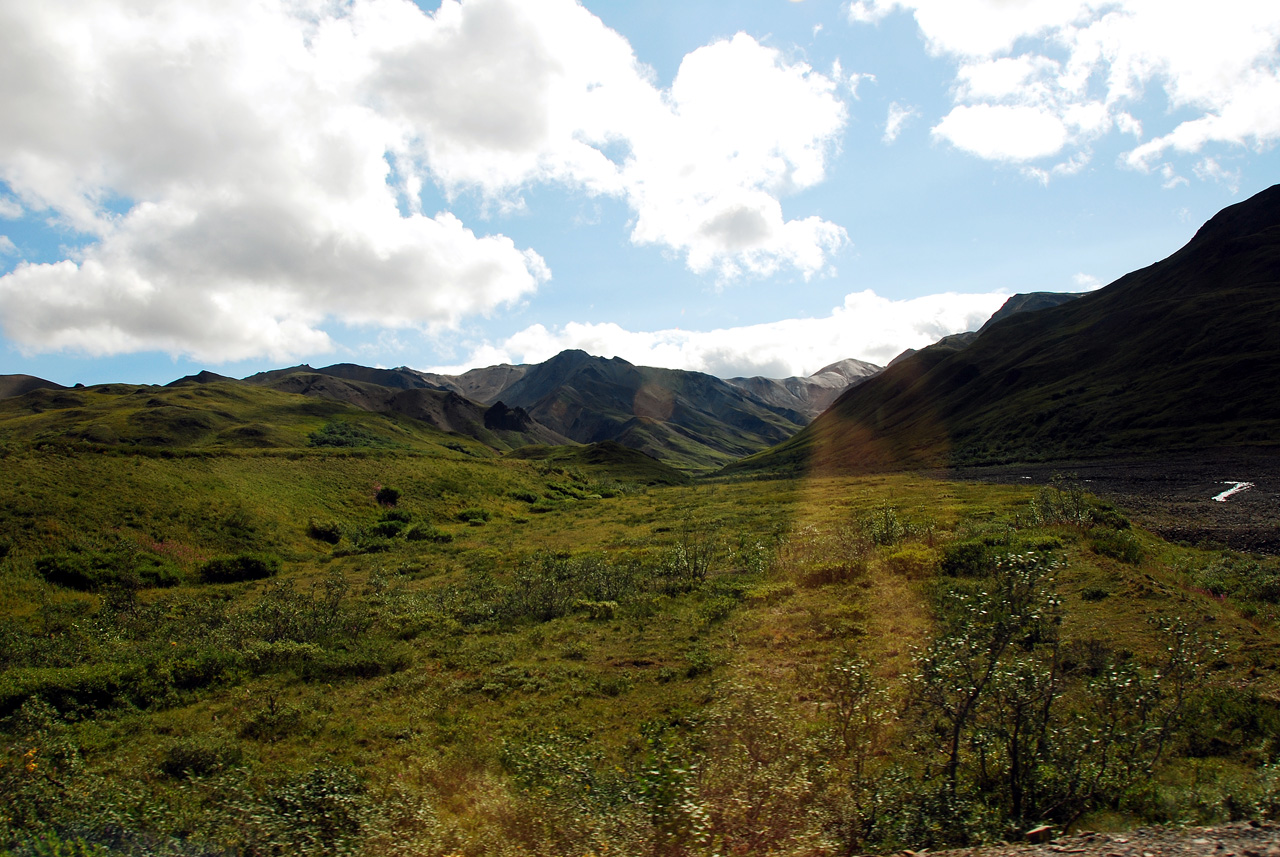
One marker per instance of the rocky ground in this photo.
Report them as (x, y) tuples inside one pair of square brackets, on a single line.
[(1174, 496), (1243, 839)]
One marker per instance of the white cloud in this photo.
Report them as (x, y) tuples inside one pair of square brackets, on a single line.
[(855, 80), (1209, 168), (1002, 132), (866, 326), (10, 209), (1087, 282), (7, 247), (743, 130), (1039, 78), (267, 156), (898, 116)]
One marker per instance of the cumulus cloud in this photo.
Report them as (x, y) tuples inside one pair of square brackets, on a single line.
[(866, 326), (7, 247), (898, 117), (1044, 79), (244, 172)]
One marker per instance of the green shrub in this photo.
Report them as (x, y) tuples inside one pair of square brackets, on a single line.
[(596, 610), (966, 559), (716, 609), (1094, 593), (76, 689), (387, 496), (1105, 515), (342, 435), (474, 515), (387, 529), (52, 845), (321, 812), (525, 496), (911, 561), (325, 531), (427, 533), (396, 515), (1243, 578), (885, 526), (93, 572), (365, 659), (1117, 544), (198, 757), (273, 721), (241, 567)]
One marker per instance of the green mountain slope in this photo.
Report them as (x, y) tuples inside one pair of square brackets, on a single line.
[(208, 416), (1181, 355)]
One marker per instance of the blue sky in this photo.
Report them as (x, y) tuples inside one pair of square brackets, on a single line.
[(757, 187)]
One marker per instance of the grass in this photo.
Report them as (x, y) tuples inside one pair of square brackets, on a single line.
[(571, 662)]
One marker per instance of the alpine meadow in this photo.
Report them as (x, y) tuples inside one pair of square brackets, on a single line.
[(679, 428)]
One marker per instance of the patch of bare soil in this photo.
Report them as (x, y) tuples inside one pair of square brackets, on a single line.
[(1242, 839), (1173, 496)]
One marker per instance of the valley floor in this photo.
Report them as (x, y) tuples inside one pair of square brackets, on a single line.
[(392, 653)]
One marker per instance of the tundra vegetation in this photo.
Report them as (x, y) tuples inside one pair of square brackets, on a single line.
[(368, 648)]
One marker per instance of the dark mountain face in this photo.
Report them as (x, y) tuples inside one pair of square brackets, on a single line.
[(686, 418), (1029, 302), (17, 385), (1181, 355)]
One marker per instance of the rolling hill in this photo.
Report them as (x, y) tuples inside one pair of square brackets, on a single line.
[(1178, 356)]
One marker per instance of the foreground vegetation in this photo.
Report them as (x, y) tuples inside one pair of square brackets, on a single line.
[(394, 650)]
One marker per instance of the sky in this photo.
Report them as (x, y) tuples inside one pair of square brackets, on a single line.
[(760, 187)]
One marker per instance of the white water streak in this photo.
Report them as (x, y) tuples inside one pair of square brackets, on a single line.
[(1236, 488)]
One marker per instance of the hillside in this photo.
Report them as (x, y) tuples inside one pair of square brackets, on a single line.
[(16, 385), (496, 425), (1178, 356), (688, 419), (218, 415)]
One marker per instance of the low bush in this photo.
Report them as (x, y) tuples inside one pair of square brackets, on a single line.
[(427, 533), (366, 659), (1242, 578), (474, 515), (967, 559), (387, 529), (94, 572), (67, 689), (1117, 544), (198, 757), (238, 568), (325, 531), (1094, 593), (911, 561), (387, 496)]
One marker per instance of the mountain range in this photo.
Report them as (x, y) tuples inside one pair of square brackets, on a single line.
[(1182, 355), (691, 420)]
